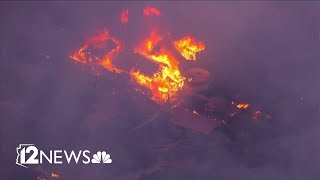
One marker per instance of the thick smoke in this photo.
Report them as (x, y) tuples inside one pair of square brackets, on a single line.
[(265, 52)]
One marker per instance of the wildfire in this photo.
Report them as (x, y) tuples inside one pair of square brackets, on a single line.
[(167, 81), (151, 11), (124, 16), (98, 42), (243, 106), (188, 47)]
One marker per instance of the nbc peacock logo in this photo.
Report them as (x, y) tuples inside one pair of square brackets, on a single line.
[(101, 157)]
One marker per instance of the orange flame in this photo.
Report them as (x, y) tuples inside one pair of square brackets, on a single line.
[(188, 47), (167, 81), (163, 84), (84, 55), (124, 16), (151, 11), (243, 106)]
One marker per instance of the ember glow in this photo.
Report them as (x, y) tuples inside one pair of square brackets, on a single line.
[(243, 106), (188, 47), (233, 114), (151, 11), (55, 175), (195, 112), (256, 114), (124, 16), (98, 42)]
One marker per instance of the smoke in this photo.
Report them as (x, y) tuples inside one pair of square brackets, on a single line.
[(266, 52)]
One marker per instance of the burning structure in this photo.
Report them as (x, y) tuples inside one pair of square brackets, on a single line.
[(170, 85), (164, 88), (179, 93), (174, 88)]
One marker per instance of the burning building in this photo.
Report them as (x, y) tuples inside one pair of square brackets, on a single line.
[(164, 88), (179, 93)]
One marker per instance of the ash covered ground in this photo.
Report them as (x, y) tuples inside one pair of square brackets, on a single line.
[(264, 52)]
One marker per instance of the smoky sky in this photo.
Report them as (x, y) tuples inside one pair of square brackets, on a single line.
[(265, 52)]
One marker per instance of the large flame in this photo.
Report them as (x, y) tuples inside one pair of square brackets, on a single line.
[(98, 42), (167, 81), (164, 83), (188, 47)]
